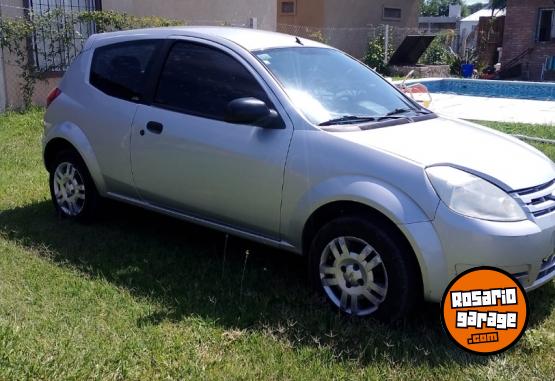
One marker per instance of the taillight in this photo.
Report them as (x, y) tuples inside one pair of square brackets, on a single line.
[(52, 96)]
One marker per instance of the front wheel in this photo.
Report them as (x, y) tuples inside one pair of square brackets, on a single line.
[(363, 269), (72, 188)]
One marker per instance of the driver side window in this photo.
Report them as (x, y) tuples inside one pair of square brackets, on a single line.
[(201, 80)]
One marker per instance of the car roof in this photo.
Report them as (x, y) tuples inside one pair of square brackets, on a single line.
[(250, 39)]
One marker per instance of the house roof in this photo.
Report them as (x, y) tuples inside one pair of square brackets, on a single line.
[(486, 12), (250, 39)]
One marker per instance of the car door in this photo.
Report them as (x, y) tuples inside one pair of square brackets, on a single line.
[(117, 76), (185, 157)]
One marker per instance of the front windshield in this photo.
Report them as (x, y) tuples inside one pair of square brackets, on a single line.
[(326, 84)]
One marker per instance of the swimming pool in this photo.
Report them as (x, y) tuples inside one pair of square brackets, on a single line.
[(494, 89)]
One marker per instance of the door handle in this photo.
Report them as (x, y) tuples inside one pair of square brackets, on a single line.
[(155, 127)]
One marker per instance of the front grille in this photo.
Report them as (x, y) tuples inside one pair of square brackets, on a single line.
[(548, 266), (539, 200)]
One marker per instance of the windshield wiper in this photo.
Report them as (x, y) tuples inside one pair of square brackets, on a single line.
[(350, 119), (398, 111), (346, 119), (395, 114)]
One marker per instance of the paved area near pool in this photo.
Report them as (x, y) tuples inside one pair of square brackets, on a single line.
[(494, 109)]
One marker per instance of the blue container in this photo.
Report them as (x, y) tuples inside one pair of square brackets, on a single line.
[(467, 70)]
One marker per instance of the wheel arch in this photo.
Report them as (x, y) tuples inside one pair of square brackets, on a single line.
[(52, 149), (337, 209), (70, 137)]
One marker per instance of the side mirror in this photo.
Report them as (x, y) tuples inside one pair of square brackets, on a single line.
[(252, 111)]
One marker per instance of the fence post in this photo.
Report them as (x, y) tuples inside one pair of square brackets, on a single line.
[(3, 89), (3, 92), (386, 45)]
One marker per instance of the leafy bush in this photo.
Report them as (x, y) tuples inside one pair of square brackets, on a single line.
[(440, 53), (108, 21), (376, 52), (436, 54)]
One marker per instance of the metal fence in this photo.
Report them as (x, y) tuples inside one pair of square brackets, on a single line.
[(64, 25), (355, 40)]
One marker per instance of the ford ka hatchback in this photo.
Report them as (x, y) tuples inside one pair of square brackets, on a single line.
[(294, 144)]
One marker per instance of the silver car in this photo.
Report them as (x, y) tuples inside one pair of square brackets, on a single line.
[(295, 144)]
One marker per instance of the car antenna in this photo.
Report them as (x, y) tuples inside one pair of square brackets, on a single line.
[(298, 40)]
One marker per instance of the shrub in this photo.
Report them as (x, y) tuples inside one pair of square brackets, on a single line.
[(108, 21), (439, 52), (436, 54), (375, 54)]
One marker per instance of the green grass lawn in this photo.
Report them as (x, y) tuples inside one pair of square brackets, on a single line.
[(141, 296), (534, 130)]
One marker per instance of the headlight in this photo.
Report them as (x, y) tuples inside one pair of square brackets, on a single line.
[(473, 196)]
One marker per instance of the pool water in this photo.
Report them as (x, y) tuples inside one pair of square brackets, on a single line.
[(495, 89)]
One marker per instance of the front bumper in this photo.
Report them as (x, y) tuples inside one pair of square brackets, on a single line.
[(524, 249), (452, 243)]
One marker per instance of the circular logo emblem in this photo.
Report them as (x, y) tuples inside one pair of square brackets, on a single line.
[(484, 310)]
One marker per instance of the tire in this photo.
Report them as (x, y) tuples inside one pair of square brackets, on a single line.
[(378, 277), (72, 189)]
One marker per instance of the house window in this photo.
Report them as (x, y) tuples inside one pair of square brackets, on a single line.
[(391, 13), (49, 53), (546, 27), (288, 8)]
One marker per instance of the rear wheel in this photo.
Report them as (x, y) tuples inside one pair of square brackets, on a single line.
[(363, 269), (71, 187)]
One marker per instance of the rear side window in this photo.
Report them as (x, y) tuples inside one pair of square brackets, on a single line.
[(120, 69), (201, 80)]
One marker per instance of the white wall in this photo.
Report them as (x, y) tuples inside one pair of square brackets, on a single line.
[(209, 12)]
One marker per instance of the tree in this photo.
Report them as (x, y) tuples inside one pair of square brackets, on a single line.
[(441, 7), (496, 5), (475, 8)]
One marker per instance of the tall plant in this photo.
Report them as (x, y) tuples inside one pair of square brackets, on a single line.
[(375, 53)]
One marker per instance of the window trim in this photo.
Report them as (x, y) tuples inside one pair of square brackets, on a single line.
[(294, 13), (161, 63), (384, 17), (538, 26)]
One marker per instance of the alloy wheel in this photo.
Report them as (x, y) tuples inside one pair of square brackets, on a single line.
[(69, 189), (353, 276)]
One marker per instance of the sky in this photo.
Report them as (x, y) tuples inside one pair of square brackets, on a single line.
[(469, 2)]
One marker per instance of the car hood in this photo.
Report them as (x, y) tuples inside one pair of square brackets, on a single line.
[(498, 157)]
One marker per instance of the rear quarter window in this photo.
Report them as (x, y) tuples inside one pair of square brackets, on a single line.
[(120, 70)]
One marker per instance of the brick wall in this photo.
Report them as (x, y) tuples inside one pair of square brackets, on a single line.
[(521, 26)]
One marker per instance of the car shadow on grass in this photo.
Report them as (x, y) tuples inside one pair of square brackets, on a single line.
[(237, 284)]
